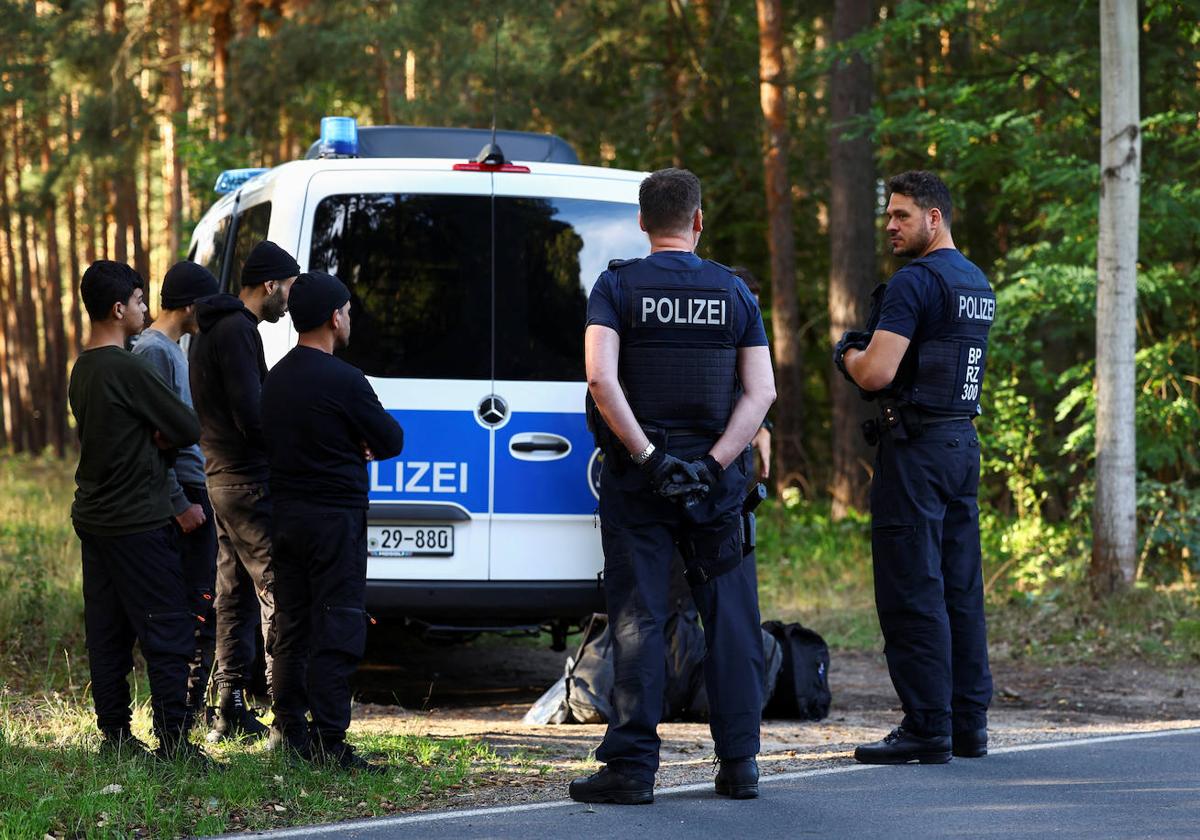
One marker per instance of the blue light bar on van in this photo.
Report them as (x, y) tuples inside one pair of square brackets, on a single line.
[(339, 137), (231, 179)]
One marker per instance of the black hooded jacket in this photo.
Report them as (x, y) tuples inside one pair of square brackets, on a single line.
[(227, 369)]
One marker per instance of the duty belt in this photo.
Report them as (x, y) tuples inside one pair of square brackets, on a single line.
[(903, 421)]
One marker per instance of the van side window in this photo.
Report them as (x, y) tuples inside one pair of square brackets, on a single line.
[(209, 250), (418, 269), (549, 252), (252, 226)]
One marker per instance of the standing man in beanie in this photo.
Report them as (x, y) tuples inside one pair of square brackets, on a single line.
[(182, 286), (922, 358), (325, 422), (129, 421), (680, 373), (227, 371)]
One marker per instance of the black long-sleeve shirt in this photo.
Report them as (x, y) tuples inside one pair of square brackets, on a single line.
[(227, 369), (321, 412), (119, 401)]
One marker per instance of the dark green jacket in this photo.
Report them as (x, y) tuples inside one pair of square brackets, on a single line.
[(119, 401)]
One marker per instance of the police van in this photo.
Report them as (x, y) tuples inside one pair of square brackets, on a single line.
[(469, 275)]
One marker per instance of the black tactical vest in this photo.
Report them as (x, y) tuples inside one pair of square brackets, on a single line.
[(943, 373), (678, 362)]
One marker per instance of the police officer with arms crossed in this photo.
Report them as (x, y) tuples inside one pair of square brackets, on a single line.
[(325, 421), (183, 285), (678, 367), (227, 371), (922, 358)]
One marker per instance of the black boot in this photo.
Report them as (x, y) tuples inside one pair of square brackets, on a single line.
[(738, 777), (234, 719), (609, 786), (971, 743), (121, 744), (290, 745), (901, 746)]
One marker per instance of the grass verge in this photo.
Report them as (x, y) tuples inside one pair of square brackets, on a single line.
[(54, 783)]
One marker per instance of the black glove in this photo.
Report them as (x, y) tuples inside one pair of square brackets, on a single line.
[(710, 472), (674, 479), (858, 339)]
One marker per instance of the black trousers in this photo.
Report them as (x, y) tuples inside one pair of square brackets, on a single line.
[(198, 551), (320, 619), (929, 577), (245, 602), (641, 532), (133, 589)]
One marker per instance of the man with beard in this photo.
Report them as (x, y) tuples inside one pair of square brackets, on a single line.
[(325, 422), (133, 585), (922, 358), (182, 286), (227, 371)]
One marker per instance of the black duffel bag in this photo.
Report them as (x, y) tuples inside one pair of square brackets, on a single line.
[(802, 691)]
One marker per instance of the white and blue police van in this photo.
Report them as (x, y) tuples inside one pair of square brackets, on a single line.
[(469, 274)]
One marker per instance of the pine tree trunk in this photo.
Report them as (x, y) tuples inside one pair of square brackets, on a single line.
[(852, 249), (10, 397), (1114, 521), (75, 345), (222, 33), (174, 122), (788, 446), (54, 373)]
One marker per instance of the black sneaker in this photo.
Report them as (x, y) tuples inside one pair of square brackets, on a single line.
[(609, 786), (901, 746), (234, 719), (293, 747), (345, 757), (971, 743), (738, 778), (183, 750), (120, 744)]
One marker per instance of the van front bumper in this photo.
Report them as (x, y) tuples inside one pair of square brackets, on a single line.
[(482, 600)]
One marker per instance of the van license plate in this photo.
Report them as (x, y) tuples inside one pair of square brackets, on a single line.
[(410, 540)]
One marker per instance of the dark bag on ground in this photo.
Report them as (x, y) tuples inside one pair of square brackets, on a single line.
[(590, 680), (802, 692), (772, 665)]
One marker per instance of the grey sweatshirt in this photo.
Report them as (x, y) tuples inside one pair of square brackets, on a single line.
[(168, 359)]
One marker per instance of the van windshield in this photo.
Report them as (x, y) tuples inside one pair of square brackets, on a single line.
[(419, 271)]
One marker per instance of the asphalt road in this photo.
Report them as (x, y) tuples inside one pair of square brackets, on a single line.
[(1128, 786)]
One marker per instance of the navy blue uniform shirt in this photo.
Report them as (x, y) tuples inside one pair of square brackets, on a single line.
[(914, 302), (604, 303)]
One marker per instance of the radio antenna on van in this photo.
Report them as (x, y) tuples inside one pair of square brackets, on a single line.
[(491, 154)]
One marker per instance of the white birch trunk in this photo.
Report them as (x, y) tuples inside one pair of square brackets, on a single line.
[(1114, 530)]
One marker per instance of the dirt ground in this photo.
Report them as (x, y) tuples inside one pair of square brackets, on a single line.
[(484, 693)]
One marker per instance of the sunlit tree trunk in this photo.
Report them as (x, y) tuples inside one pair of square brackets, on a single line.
[(1114, 525), (785, 317), (852, 248)]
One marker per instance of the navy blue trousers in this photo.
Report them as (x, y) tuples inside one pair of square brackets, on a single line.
[(640, 531), (929, 577)]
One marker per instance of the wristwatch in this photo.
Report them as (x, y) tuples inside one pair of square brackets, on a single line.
[(643, 456)]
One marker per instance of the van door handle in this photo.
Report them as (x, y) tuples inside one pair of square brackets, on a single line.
[(538, 446), (556, 446)]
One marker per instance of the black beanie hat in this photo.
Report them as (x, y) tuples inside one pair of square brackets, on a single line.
[(185, 283), (314, 297), (267, 261)]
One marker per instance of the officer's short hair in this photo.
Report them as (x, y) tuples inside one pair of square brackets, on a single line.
[(925, 189), (107, 282), (668, 199)]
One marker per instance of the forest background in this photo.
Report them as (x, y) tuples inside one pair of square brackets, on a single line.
[(117, 115)]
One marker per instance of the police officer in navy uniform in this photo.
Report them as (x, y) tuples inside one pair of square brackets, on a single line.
[(922, 358), (680, 374)]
